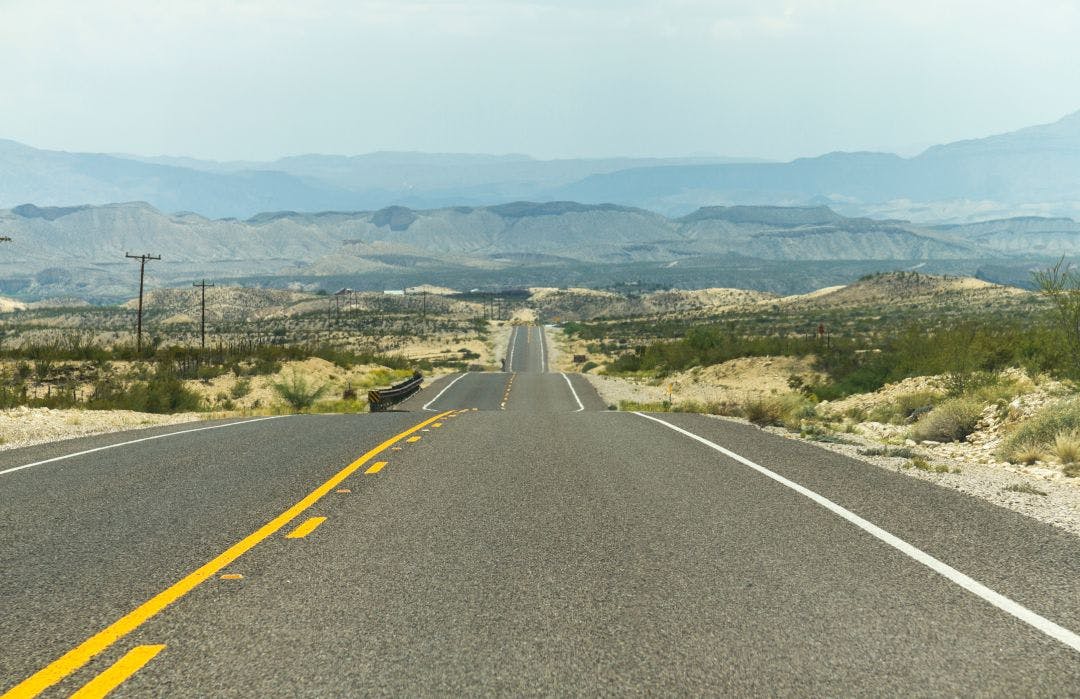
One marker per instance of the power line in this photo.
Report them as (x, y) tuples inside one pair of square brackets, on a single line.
[(142, 276), (202, 326)]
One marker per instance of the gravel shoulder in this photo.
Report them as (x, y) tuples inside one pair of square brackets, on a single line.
[(24, 427)]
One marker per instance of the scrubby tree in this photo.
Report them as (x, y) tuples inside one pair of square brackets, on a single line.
[(1061, 285)]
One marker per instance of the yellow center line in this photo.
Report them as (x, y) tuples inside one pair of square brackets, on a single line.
[(119, 671), (413, 439), (81, 654), (306, 528), (436, 424), (375, 467)]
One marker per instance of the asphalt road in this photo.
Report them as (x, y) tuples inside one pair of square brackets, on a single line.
[(529, 542)]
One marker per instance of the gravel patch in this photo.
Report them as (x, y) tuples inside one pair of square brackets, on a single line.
[(994, 482), (24, 427)]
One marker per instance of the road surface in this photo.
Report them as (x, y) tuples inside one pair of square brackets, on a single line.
[(504, 534)]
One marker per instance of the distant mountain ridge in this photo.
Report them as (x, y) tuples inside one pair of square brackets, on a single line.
[(79, 251), (1032, 170)]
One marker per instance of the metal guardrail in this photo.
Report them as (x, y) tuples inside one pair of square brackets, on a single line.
[(379, 399)]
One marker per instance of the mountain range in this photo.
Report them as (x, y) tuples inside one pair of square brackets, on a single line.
[(1033, 171), (79, 250)]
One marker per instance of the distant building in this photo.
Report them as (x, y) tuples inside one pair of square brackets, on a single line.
[(394, 292)]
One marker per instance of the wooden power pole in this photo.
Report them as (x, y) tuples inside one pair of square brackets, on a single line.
[(202, 325), (142, 276)]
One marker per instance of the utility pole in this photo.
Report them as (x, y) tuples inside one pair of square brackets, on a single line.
[(202, 285), (142, 275)]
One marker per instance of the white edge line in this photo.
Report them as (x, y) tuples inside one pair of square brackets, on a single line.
[(543, 354), (580, 407), (513, 342), (973, 586), (136, 441), (439, 395)]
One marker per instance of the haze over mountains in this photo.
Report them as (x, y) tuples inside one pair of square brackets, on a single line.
[(1032, 171)]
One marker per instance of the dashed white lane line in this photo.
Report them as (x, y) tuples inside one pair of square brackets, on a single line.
[(136, 441), (1005, 604), (580, 407), (427, 406)]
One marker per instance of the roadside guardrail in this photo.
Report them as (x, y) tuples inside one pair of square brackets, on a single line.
[(380, 399)]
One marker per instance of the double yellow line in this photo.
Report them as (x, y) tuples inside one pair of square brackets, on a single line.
[(79, 656)]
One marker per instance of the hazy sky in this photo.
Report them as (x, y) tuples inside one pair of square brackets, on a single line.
[(551, 78)]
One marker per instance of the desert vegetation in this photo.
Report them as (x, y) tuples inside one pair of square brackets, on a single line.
[(973, 354), (260, 342)]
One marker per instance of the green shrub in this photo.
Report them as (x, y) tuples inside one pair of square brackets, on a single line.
[(588, 366), (1040, 432), (951, 421), (297, 392), (241, 388), (159, 392), (906, 407)]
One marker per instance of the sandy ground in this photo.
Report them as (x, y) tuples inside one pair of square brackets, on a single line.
[(23, 427), (734, 382)]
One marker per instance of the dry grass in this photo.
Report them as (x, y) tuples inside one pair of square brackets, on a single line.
[(1067, 447), (789, 410), (1040, 433), (951, 421), (1029, 454), (1025, 488)]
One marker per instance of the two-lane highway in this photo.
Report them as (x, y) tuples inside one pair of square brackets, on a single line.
[(527, 385), (502, 538)]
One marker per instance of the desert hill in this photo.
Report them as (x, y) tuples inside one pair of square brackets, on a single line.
[(905, 289)]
